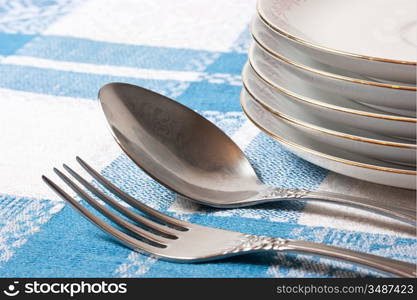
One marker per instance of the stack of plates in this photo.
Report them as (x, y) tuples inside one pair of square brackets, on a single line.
[(335, 82)]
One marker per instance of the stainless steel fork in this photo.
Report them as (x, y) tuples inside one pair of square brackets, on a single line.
[(168, 238)]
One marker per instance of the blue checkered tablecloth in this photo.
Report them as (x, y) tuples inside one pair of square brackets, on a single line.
[(56, 54)]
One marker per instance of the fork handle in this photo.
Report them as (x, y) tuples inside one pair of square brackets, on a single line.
[(387, 265)]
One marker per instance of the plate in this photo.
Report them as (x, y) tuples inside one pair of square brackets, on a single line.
[(376, 38), (325, 105), (389, 97), (327, 132), (332, 158)]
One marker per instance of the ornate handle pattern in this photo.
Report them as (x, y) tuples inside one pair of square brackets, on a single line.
[(282, 193), (253, 243), (256, 243)]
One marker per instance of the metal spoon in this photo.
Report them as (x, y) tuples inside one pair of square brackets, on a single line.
[(190, 155)]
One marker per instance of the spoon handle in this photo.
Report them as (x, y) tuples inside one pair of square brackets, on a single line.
[(402, 214)]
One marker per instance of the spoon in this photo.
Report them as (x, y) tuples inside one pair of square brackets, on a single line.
[(191, 156)]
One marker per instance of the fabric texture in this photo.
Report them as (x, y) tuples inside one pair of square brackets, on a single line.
[(54, 57)]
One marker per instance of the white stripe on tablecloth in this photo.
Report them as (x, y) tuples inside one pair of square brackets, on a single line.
[(246, 133), (166, 23), (43, 131)]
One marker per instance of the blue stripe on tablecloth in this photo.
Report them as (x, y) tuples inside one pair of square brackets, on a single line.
[(231, 63), (9, 43), (279, 167), (71, 84), (207, 96), (104, 53), (72, 242), (199, 95)]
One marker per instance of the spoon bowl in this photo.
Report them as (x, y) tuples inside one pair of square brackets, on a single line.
[(178, 147), (191, 156)]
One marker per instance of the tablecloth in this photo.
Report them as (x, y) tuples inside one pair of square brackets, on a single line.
[(56, 54)]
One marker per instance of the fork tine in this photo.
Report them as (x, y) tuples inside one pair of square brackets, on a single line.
[(132, 201), (119, 221), (117, 234), (161, 229)]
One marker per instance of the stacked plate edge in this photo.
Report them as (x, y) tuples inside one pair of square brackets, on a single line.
[(350, 108)]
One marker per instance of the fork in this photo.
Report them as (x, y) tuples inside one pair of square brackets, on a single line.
[(162, 236)]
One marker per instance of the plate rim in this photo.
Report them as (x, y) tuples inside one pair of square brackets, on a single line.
[(331, 75), (325, 155), (329, 49), (317, 102), (327, 131)]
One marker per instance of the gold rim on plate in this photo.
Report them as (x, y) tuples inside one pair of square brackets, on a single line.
[(325, 130), (331, 106), (328, 49), (324, 155), (331, 75)]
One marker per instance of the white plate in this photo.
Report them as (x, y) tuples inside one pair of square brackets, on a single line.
[(325, 105), (373, 37), (330, 133), (400, 98), (332, 158)]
